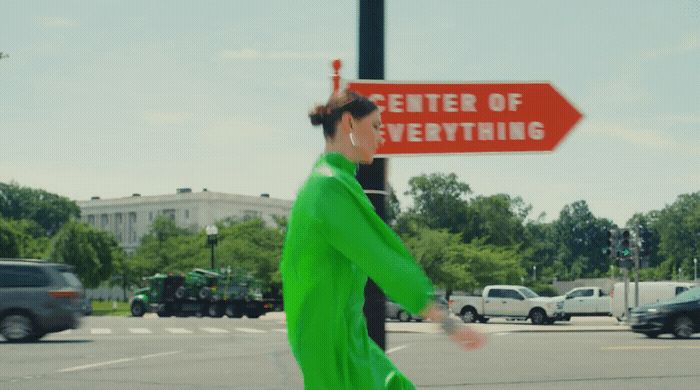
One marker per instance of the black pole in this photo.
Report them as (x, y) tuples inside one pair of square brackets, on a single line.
[(212, 256), (373, 177)]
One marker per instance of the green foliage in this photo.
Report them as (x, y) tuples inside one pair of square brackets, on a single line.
[(9, 247), (88, 250), (49, 210), (678, 226), (438, 198)]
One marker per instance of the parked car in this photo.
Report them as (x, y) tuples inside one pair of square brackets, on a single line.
[(396, 312), (649, 292), (680, 316), (37, 298), (511, 302), (586, 301), (86, 306)]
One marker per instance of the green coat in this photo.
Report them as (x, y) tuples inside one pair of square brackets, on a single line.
[(334, 241)]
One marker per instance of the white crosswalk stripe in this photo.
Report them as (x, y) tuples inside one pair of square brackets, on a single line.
[(140, 331), (214, 330), (280, 330), (100, 331), (178, 330), (249, 330)]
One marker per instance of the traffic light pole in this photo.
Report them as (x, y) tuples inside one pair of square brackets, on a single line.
[(625, 273), (636, 278), (373, 177)]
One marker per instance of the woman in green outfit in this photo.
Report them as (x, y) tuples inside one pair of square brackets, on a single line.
[(334, 242)]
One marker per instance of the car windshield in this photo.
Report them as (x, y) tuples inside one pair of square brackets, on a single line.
[(689, 295), (528, 293)]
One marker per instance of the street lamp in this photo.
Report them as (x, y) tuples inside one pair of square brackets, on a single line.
[(680, 272), (534, 272), (695, 261), (212, 233)]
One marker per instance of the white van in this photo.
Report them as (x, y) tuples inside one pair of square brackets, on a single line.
[(649, 292)]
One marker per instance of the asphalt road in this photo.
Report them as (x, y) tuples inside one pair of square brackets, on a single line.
[(206, 353)]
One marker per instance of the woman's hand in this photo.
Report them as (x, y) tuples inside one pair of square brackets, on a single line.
[(463, 336)]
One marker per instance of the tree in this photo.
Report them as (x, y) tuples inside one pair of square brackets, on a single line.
[(678, 225), (438, 199), (497, 218), (49, 210), (9, 246), (88, 250)]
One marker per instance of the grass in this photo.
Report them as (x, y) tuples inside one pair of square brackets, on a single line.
[(105, 308)]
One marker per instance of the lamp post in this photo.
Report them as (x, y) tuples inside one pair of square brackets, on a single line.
[(680, 273), (534, 272), (212, 233), (695, 261)]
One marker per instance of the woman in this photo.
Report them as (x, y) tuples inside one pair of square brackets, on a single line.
[(334, 241)]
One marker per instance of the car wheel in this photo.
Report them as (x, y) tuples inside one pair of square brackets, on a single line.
[(538, 317), (163, 312), (253, 314), (138, 309), (180, 292), (404, 317), (468, 315), (652, 335), (683, 327), (215, 311), (204, 293), (17, 328)]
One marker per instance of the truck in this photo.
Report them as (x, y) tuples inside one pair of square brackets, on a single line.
[(649, 292), (586, 301), (201, 293), (509, 302)]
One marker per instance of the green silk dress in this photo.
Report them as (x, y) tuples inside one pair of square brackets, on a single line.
[(334, 242)]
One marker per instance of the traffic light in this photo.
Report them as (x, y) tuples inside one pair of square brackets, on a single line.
[(644, 241), (624, 248), (611, 241)]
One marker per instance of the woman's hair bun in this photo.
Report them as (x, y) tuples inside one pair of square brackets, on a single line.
[(318, 115)]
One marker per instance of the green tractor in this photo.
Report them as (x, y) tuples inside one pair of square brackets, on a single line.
[(238, 294), (157, 296)]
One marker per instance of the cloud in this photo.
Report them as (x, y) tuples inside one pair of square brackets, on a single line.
[(646, 138), (688, 44), (56, 22), (252, 54), (165, 118)]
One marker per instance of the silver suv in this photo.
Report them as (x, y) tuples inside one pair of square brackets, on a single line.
[(37, 298)]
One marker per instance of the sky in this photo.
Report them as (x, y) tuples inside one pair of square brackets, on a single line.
[(110, 98)]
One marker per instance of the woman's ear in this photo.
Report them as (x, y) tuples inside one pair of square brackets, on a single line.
[(347, 120)]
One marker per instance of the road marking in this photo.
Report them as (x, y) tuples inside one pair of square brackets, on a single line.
[(502, 333), (649, 347), (111, 362), (280, 330), (214, 330), (93, 365), (249, 330), (140, 330), (160, 354), (178, 330), (100, 331), (395, 349)]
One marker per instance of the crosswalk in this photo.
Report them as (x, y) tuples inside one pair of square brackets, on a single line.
[(172, 331)]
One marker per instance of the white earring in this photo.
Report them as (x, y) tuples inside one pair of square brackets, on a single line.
[(352, 140)]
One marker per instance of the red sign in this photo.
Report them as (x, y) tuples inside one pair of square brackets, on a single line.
[(468, 118)]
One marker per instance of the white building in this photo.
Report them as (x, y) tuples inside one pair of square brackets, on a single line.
[(129, 219)]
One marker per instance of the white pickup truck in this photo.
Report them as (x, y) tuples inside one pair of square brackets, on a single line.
[(512, 302), (586, 301)]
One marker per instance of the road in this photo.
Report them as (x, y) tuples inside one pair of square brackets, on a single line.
[(208, 353)]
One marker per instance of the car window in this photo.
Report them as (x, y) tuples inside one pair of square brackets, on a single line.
[(22, 276), (512, 294), (603, 293), (528, 293), (681, 289), (587, 293), (688, 295), (575, 294), (495, 293), (71, 279)]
